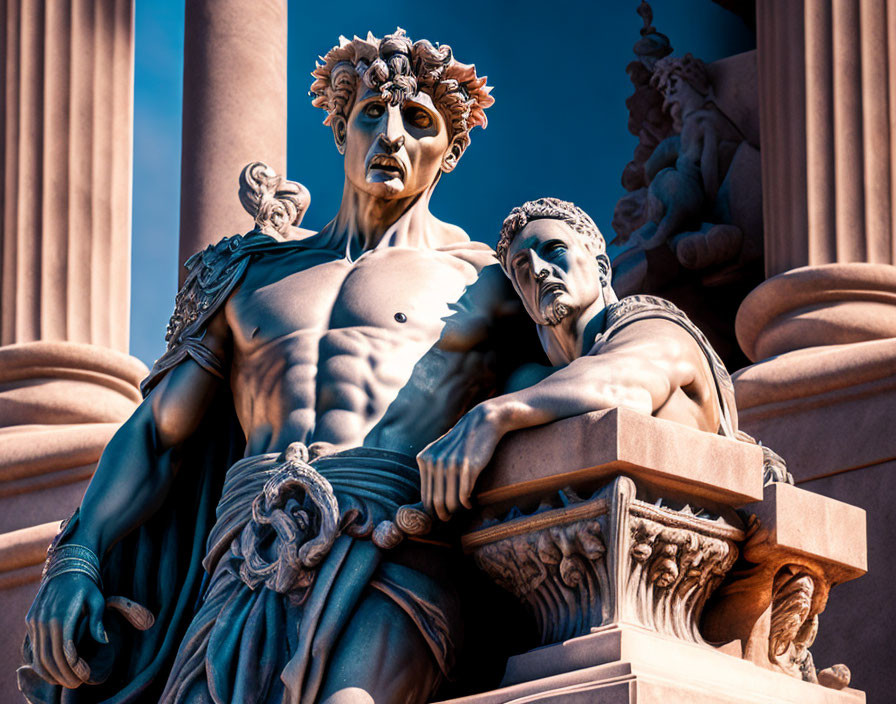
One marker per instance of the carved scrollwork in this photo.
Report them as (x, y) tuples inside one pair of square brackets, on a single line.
[(798, 596), (675, 562), (276, 204), (560, 572), (565, 563), (295, 521)]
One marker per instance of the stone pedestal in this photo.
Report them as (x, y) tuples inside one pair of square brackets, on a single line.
[(654, 588), (631, 665)]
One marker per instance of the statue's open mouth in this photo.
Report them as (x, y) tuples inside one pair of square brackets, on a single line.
[(386, 164)]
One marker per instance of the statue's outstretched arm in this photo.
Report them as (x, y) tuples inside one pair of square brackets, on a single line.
[(129, 485), (640, 369)]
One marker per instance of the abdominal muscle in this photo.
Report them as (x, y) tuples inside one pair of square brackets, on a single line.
[(353, 387)]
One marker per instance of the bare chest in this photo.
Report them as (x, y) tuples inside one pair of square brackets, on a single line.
[(406, 293)]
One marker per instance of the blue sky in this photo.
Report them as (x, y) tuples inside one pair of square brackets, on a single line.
[(558, 126)]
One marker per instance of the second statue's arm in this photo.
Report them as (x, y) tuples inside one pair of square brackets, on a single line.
[(128, 486), (640, 369)]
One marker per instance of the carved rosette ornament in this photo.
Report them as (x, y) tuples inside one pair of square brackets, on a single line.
[(609, 559)]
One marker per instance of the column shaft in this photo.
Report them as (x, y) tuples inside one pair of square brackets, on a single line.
[(66, 155), (234, 111), (822, 328)]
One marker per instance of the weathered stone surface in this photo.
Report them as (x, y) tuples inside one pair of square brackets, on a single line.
[(626, 664), (857, 626), (66, 181), (824, 409), (609, 559), (826, 148), (587, 449), (799, 546), (816, 306)]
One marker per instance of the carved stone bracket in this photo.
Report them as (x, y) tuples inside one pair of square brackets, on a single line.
[(609, 559), (799, 546)]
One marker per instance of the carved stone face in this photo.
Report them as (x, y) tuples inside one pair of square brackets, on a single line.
[(553, 271), (680, 99), (394, 151)]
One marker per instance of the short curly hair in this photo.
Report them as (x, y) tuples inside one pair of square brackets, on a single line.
[(549, 209), (690, 68), (398, 68)]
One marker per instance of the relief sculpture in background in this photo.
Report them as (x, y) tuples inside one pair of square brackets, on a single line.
[(690, 228)]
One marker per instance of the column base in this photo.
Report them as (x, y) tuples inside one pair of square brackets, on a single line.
[(60, 403), (624, 664)]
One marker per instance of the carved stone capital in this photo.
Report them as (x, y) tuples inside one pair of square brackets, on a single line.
[(609, 559)]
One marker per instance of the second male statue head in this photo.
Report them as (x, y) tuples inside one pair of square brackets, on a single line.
[(556, 259)]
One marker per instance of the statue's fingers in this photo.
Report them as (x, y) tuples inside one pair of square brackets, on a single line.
[(63, 671), (73, 618), (44, 653), (452, 480), (425, 472), (34, 654), (79, 667), (465, 489), (438, 491)]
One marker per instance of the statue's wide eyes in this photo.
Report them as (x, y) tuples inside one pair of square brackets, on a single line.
[(374, 109), (418, 117)]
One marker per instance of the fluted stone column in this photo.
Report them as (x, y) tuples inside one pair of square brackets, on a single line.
[(234, 111), (822, 328), (66, 381), (828, 107)]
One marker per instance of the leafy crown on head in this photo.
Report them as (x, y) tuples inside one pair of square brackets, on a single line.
[(397, 69)]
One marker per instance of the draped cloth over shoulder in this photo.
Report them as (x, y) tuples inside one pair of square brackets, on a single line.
[(634, 308)]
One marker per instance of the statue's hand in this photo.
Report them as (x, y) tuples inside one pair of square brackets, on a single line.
[(450, 466), (65, 607)]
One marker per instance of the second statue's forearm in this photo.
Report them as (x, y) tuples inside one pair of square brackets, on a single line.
[(569, 392)]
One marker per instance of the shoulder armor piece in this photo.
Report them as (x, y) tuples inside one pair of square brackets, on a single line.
[(213, 274)]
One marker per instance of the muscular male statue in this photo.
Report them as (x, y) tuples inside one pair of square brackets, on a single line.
[(315, 370), (640, 353)]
